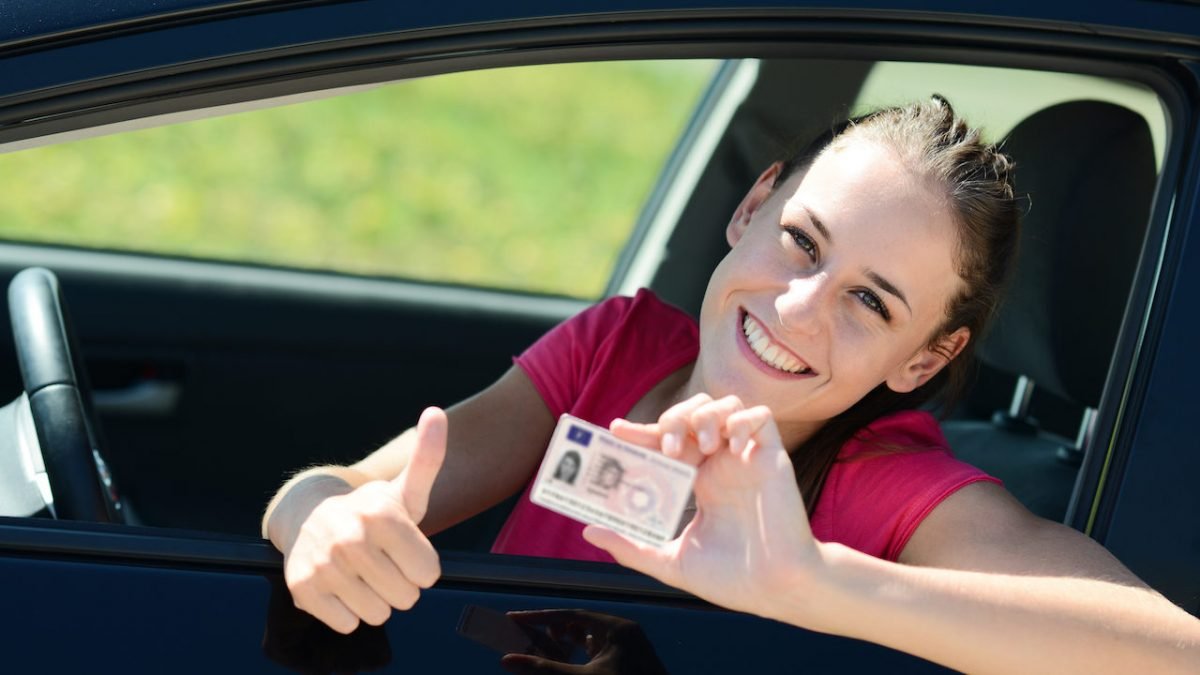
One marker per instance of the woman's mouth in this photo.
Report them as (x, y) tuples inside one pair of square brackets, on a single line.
[(768, 351)]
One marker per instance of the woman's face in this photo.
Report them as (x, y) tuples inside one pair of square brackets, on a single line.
[(568, 466), (835, 283)]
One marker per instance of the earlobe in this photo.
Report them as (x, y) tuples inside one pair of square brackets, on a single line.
[(750, 204), (928, 362)]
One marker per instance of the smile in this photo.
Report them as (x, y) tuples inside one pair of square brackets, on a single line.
[(769, 352)]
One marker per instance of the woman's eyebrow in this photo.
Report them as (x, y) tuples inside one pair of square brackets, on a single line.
[(816, 222), (888, 287)]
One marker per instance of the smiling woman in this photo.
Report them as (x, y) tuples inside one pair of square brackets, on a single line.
[(915, 211), (396, 181)]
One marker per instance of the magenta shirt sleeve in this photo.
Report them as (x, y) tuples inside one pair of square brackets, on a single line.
[(559, 363), (886, 481)]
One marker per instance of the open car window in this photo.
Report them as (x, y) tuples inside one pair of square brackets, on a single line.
[(568, 180), (503, 178)]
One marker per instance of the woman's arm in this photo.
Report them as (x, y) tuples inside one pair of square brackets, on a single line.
[(988, 587), (354, 538), (496, 439)]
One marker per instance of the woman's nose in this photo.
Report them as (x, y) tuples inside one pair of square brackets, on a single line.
[(803, 308)]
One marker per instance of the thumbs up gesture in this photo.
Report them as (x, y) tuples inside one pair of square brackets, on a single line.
[(358, 555)]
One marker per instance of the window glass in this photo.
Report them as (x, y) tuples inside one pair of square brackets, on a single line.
[(997, 99), (523, 178)]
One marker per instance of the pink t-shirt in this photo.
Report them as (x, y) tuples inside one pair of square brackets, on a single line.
[(598, 364)]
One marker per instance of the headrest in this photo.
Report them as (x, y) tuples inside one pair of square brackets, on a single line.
[(1089, 170)]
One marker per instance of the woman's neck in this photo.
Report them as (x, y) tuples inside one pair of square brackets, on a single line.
[(670, 390)]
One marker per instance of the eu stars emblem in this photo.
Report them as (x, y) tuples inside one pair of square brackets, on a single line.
[(579, 435)]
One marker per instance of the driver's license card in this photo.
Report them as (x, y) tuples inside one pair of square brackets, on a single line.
[(592, 476)]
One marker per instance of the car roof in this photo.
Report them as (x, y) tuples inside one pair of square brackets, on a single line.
[(24, 22)]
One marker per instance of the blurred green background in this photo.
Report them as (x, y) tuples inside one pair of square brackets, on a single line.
[(523, 178)]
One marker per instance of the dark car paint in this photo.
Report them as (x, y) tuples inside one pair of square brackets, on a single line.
[(49, 78), (195, 605), (1149, 516), (206, 608)]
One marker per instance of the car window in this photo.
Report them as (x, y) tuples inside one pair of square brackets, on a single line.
[(468, 178), (997, 99), (529, 179)]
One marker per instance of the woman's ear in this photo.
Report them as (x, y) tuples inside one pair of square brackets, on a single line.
[(751, 203), (928, 362)]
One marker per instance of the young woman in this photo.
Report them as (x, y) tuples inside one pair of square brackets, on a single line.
[(858, 275)]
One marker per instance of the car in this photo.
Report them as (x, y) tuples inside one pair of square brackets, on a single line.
[(218, 349)]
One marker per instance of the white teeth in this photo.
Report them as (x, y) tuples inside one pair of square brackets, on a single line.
[(770, 354), (759, 344)]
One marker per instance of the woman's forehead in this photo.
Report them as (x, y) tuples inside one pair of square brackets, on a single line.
[(861, 173), (883, 214)]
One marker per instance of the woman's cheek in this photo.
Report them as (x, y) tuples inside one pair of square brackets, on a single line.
[(857, 352), (851, 330)]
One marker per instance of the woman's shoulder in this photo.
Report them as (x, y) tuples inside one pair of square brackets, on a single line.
[(886, 480), (646, 302), (643, 316), (649, 328), (643, 306), (911, 430)]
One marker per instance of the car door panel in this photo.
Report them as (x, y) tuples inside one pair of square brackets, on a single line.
[(230, 616), (211, 386)]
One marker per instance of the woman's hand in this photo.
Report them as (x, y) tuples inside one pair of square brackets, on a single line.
[(358, 555), (750, 533)]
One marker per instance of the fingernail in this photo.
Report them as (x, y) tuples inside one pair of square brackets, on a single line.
[(737, 444), (670, 444), (705, 439)]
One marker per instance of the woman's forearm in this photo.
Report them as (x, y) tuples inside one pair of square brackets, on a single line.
[(986, 622)]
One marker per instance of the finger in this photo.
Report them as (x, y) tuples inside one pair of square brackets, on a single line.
[(645, 435), (359, 598), (678, 439), (410, 551), (328, 610), (382, 575), (644, 559), (416, 480), (754, 424), (708, 421), (526, 664)]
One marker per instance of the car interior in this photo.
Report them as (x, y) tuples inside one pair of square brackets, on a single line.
[(1079, 248), (269, 370)]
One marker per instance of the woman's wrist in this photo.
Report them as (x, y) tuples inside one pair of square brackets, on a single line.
[(822, 594), (296, 500)]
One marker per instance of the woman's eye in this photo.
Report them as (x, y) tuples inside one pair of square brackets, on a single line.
[(873, 303), (804, 241)]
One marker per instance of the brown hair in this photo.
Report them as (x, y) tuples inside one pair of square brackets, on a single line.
[(977, 179)]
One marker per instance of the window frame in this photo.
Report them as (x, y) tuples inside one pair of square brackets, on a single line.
[(54, 107)]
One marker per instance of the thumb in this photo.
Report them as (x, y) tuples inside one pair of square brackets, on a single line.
[(416, 481)]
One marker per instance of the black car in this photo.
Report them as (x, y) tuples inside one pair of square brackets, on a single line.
[(188, 375)]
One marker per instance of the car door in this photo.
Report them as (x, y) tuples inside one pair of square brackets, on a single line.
[(257, 351)]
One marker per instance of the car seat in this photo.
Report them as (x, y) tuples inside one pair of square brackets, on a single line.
[(1088, 168)]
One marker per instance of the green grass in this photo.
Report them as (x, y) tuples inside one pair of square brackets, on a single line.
[(526, 178)]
